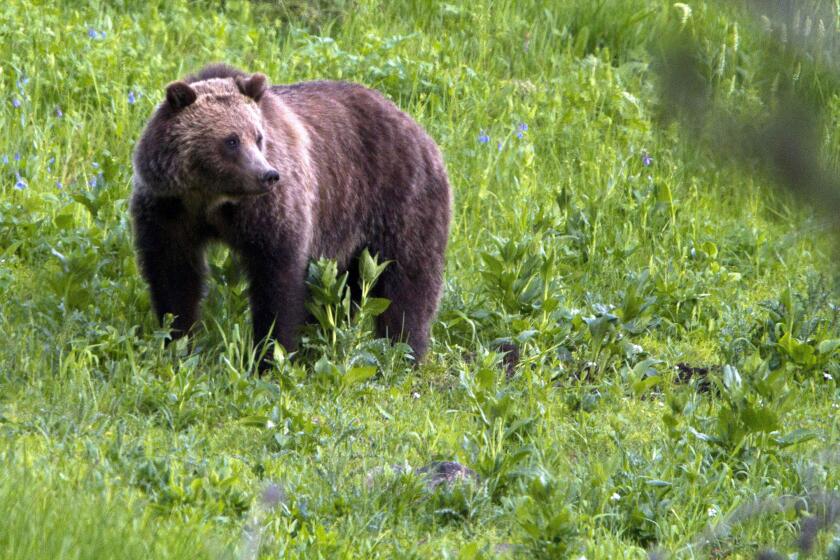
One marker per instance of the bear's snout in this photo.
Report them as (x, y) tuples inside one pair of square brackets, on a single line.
[(269, 177)]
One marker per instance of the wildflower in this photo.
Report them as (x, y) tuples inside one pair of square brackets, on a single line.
[(646, 159), (615, 497), (21, 83), (522, 127), (712, 511), (95, 165), (20, 184), (131, 98), (499, 145), (17, 156), (59, 184), (91, 33), (827, 376), (273, 495), (5, 159), (58, 112), (15, 102), (483, 138)]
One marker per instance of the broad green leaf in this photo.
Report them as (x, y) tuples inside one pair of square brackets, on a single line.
[(358, 374), (828, 346), (376, 306)]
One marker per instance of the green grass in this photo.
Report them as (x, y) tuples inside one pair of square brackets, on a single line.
[(606, 273)]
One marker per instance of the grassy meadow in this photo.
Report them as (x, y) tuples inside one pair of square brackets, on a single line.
[(637, 351)]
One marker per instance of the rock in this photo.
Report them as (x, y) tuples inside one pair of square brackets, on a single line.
[(434, 474)]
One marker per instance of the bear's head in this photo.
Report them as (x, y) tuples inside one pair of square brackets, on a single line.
[(208, 139)]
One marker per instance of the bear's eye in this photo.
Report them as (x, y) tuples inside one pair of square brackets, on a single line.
[(232, 141)]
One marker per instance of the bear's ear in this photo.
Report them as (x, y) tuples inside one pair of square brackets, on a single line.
[(179, 95), (253, 86)]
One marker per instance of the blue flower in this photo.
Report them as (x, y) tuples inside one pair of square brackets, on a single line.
[(51, 161), (523, 127), (5, 159), (131, 98), (59, 185), (15, 102), (520, 134), (499, 145), (58, 112), (20, 184), (646, 159), (22, 82), (91, 33), (17, 156), (95, 165), (101, 34), (483, 138)]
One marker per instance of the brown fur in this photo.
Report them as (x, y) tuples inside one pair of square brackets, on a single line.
[(354, 172)]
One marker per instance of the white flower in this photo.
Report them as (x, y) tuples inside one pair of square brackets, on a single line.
[(712, 511), (269, 424), (827, 376), (615, 497)]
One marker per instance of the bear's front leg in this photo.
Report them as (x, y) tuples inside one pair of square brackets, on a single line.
[(171, 259), (277, 293)]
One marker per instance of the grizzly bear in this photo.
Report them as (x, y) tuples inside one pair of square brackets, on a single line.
[(284, 174)]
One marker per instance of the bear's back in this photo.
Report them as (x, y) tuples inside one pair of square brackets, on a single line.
[(372, 161)]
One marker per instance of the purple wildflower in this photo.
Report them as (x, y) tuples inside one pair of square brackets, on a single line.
[(58, 112), (523, 127), (95, 165), (483, 138), (15, 102), (5, 159), (17, 156), (59, 185), (91, 33), (273, 495), (646, 159), (499, 145), (101, 34), (21, 83), (95, 180), (20, 184), (520, 134), (131, 98)]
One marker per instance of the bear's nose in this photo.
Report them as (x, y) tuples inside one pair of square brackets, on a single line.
[(270, 177)]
